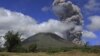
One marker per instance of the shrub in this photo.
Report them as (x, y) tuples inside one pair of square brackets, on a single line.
[(65, 49), (90, 49), (19, 49), (53, 50), (62, 49), (33, 48), (2, 49), (95, 50)]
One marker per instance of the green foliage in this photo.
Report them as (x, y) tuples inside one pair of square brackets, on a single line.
[(33, 48), (20, 49), (3, 55), (55, 50), (13, 44), (65, 49), (2, 49), (12, 40), (82, 49), (85, 49), (86, 44), (90, 50)]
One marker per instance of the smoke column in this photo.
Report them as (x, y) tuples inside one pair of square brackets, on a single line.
[(69, 13)]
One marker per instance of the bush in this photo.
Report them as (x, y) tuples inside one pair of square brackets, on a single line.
[(19, 49), (65, 49), (53, 50), (90, 49), (4, 55), (33, 48), (2, 49), (85, 49), (94, 50)]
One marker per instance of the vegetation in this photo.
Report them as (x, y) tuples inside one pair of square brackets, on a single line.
[(13, 44), (56, 50), (12, 41), (71, 53), (32, 48)]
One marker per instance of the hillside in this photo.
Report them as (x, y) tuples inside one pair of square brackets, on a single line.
[(47, 40)]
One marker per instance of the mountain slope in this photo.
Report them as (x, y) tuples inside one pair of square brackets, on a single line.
[(47, 40)]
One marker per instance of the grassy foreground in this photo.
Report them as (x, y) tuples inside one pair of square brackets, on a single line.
[(70, 53)]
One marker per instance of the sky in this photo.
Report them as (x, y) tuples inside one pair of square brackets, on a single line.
[(39, 11)]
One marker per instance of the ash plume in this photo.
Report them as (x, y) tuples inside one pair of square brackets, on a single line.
[(67, 12)]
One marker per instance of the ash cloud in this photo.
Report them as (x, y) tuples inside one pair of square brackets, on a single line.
[(67, 12)]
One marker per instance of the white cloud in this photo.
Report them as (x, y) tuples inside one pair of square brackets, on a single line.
[(26, 25), (93, 5), (95, 23), (14, 21), (88, 34), (45, 9), (53, 26)]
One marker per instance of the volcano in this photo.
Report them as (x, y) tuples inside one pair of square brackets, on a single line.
[(47, 40)]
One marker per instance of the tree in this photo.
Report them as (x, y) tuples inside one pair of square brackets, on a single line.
[(12, 40), (86, 44)]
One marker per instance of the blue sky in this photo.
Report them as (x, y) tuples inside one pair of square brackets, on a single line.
[(34, 8)]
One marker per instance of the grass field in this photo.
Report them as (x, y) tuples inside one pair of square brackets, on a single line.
[(70, 53)]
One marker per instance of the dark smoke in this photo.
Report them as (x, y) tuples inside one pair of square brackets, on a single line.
[(67, 13)]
